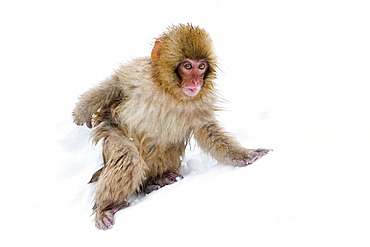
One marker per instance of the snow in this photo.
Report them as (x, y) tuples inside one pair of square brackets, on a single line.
[(295, 75)]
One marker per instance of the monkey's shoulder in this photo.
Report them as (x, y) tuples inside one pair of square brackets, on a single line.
[(135, 72)]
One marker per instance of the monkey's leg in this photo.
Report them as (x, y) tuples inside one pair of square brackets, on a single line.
[(165, 167), (123, 174), (162, 181)]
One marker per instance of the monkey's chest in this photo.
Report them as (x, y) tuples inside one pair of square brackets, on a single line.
[(157, 126)]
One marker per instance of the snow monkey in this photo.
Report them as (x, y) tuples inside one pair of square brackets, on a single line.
[(145, 114)]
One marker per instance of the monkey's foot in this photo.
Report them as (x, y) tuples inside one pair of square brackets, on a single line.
[(251, 156), (158, 183), (105, 220)]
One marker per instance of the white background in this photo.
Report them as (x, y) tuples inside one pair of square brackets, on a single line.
[(295, 74)]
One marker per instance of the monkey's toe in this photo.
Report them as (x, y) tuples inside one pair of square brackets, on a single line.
[(106, 222), (171, 178), (151, 188)]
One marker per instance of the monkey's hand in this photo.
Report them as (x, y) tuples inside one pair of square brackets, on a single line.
[(81, 118), (84, 110), (250, 156)]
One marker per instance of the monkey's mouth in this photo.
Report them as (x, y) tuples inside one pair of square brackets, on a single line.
[(191, 91)]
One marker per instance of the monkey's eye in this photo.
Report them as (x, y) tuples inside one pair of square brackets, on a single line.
[(188, 66), (202, 66)]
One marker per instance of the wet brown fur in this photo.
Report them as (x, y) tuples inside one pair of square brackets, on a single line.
[(146, 121)]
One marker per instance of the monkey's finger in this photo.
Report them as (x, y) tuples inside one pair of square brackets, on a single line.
[(88, 124), (252, 157), (263, 150)]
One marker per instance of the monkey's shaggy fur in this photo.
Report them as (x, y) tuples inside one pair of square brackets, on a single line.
[(145, 120)]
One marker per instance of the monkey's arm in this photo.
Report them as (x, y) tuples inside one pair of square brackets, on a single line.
[(97, 98), (214, 140)]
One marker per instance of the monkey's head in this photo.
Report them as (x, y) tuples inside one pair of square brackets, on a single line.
[(184, 62)]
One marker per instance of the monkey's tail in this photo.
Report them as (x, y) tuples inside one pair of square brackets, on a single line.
[(96, 175)]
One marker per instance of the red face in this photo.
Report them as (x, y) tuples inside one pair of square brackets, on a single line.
[(192, 74)]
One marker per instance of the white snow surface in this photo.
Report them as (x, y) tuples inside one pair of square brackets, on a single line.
[(295, 75)]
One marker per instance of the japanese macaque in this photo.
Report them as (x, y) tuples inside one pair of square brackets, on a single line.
[(145, 114)]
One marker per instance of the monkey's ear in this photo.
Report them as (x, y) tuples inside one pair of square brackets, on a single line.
[(156, 50)]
